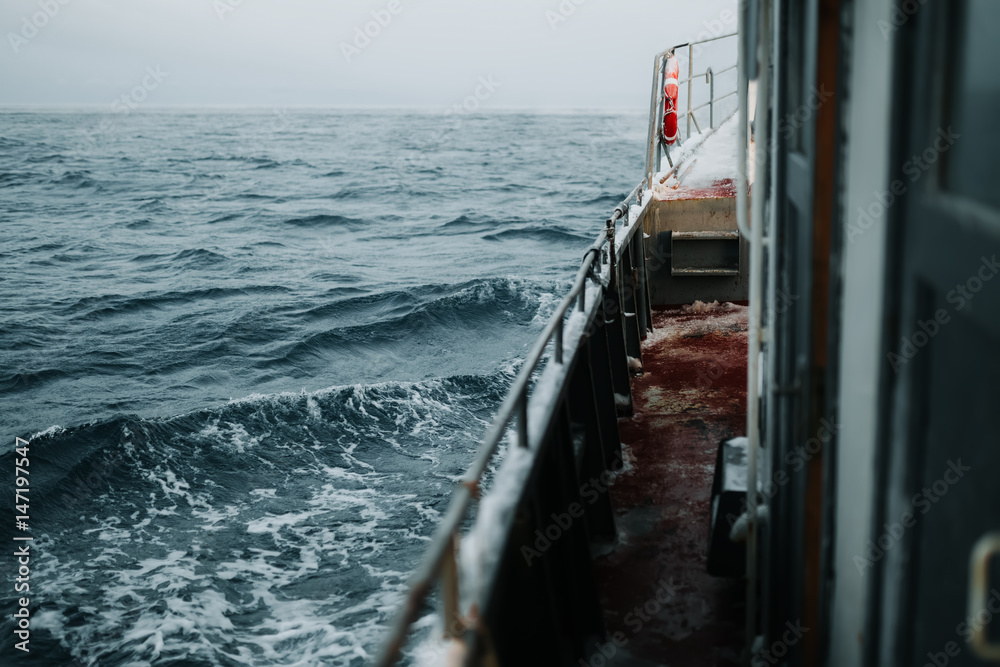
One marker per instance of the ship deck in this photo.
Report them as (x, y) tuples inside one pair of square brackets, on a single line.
[(661, 607)]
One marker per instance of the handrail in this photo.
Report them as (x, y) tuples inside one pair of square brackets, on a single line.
[(438, 564), (709, 72), (515, 404), (655, 136)]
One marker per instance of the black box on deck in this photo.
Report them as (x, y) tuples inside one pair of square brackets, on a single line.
[(729, 489)]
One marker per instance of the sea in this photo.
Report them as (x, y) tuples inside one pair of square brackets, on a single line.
[(253, 350)]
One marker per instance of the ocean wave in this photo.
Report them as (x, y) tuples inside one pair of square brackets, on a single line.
[(198, 257), (373, 324), (359, 192), (184, 266), (241, 426), (75, 179), (541, 233), (284, 525), (463, 222), (228, 217), (327, 220), (17, 177), (19, 381), (114, 304), (48, 157), (154, 204), (142, 223)]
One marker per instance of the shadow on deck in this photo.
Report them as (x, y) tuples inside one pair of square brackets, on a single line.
[(661, 607)]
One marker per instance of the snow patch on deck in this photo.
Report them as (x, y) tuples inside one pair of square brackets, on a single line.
[(704, 163), (688, 321)]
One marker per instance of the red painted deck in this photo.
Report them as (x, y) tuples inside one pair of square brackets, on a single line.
[(719, 189), (656, 593)]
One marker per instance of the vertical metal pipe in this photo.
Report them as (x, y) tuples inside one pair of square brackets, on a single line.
[(743, 120), (449, 589), (756, 296), (742, 224), (639, 261), (522, 420), (690, 82), (612, 258), (711, 98), (658, 114), (559, 341), (652, 140)]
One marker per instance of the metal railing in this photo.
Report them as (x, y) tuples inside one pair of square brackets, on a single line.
[(655, 137), (605, 258), (439, 564)]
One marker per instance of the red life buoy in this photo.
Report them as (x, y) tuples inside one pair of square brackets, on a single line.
[(670, 91)]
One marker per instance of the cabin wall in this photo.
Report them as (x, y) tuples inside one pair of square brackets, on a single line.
[(866, 124), (691, 215)]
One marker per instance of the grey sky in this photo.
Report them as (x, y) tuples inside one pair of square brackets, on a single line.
[(289, 53)]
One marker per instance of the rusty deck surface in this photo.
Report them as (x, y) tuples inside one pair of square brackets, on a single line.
[(661, 606)]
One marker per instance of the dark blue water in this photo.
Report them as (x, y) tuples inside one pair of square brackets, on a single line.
[(254, 350)]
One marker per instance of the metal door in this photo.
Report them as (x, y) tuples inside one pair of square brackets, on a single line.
[(940, 441)]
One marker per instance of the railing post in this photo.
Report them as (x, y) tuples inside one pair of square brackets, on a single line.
[(449, 590), (652, 138), (559, 342), (690, 81), (711, 98), (612, 259), (522, 421), (658, 115)]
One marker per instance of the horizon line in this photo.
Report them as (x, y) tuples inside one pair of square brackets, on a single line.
[(67, 106)]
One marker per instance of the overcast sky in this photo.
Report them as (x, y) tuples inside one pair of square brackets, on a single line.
[(286, 53)]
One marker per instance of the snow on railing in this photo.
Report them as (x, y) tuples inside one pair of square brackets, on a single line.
[(531, 408), (655, 141)]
